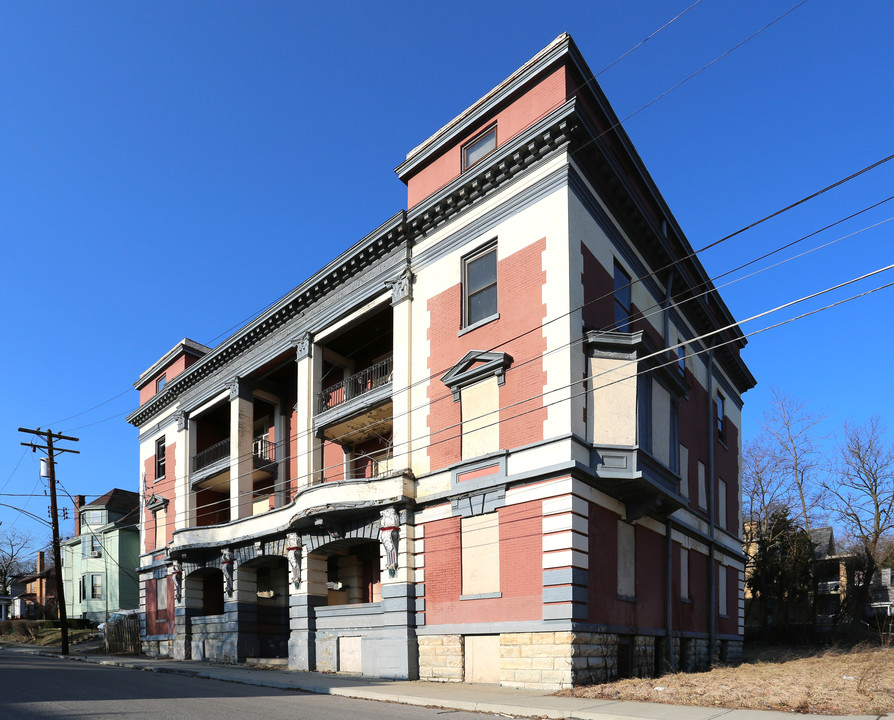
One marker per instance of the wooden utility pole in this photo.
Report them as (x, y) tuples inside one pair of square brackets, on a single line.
[(51, 451)]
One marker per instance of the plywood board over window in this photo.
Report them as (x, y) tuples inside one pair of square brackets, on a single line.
[(481, 554), (480, 414), (626, 559)]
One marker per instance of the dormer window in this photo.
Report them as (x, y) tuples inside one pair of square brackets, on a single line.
[(476, 150)]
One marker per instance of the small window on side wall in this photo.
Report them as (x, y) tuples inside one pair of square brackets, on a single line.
[(623, 302), (720, 413), (160, 458), (480, 286), (477, 149), (160, 383)]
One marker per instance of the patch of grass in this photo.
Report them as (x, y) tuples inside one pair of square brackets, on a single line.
[(47, 636), (858, 681)]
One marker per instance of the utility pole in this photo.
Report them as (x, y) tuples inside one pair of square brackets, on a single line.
[(51, 451)]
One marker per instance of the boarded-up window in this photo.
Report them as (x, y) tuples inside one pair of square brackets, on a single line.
[(481, 427), (481, 554), (721, 503), (684, 573), (721, 592), (161, 593), (626, 559), (161, 519), (702, 488), (684, 471)]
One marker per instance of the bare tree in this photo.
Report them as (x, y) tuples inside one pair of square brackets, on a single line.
[(795, 452), (863, 490), (16, 547)]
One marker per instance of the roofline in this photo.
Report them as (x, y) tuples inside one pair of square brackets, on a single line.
[(474, 114), (322, 281), (191, 347)]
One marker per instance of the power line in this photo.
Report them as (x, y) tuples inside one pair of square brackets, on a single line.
[(657, 354)]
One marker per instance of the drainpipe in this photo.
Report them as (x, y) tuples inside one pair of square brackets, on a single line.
[(712, 572)]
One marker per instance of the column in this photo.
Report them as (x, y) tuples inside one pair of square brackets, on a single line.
[(396, 652), (306, 593), (309, 368), (183, 504), (241, 461), (402, 348)]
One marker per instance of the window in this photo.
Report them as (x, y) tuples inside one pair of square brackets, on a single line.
[(160, 383), (622, 300), (702, 488), (626, 560), (681, 357), (684, 471), (93, 548), (160, 458), (720, 414), (91, 519), (644, 412), (480, 537), (721, 504), (479, 148), (96, 587), (674, 449), (161, 593), (722, 606), (161, 520), (81, 588), (684, 573), (480, 286)]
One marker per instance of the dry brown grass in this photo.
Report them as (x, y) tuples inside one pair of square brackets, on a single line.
[(858, 681)]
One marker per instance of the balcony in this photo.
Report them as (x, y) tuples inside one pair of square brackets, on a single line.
[(215, 459), (359, 402), (356, 385)]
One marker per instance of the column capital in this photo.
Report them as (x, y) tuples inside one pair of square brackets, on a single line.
[(238, 388), (401, 286), (182, 419), (303, 344)]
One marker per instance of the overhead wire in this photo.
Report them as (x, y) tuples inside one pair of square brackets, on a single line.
[(662, 352)]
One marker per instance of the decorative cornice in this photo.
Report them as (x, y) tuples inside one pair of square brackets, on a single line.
[(475, 366)]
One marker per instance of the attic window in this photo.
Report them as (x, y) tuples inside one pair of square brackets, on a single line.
[(160, 383), (481, 146)]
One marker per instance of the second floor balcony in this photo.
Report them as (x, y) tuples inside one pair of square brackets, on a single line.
[(216, 458), (357, 385)]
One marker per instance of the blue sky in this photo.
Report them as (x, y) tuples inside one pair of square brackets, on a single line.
[(168, 169)]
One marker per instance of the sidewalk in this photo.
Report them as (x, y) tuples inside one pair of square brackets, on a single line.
[(454, 696)]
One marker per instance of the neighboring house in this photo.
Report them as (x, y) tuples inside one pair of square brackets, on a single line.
[(37, 601), (99, 562), (881, 593), (833, 574), (468, 448)]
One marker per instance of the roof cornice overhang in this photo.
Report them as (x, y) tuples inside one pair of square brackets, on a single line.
[(361, 255), (709, 310), (463, 123), (549, 134)]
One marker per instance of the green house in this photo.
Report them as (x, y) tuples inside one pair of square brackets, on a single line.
[(99, 562)]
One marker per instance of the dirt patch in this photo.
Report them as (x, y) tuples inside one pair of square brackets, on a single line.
[(857, 681)]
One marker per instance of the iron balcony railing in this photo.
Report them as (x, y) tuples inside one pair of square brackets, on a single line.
[(211, 455), (356, 385), (261, 448)]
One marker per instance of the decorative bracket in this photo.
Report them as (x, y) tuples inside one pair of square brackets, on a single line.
[(389, 533)]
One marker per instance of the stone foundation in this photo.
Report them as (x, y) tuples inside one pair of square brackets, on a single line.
[(441, 658), (559, 660)]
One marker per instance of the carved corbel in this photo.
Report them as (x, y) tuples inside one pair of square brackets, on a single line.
[(177, 574), (389, 534), (227, 562), (293, 554)]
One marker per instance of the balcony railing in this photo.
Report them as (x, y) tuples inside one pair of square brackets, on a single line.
[(261, 448), (211, 455), (356, 385)]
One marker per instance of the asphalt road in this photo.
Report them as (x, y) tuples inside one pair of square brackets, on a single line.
[(40, 687)]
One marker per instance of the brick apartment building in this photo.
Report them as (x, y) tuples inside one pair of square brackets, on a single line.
[(497, 439)]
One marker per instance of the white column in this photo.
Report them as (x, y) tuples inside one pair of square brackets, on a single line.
[(241, 461), (308, 367), (402, 349)]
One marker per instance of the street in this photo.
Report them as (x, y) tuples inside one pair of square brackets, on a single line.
[(40, 687)]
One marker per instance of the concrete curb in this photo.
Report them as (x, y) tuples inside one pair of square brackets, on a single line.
[(452, 696)]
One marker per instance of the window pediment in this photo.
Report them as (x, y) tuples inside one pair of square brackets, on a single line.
[(156, 503), (475, 366)]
